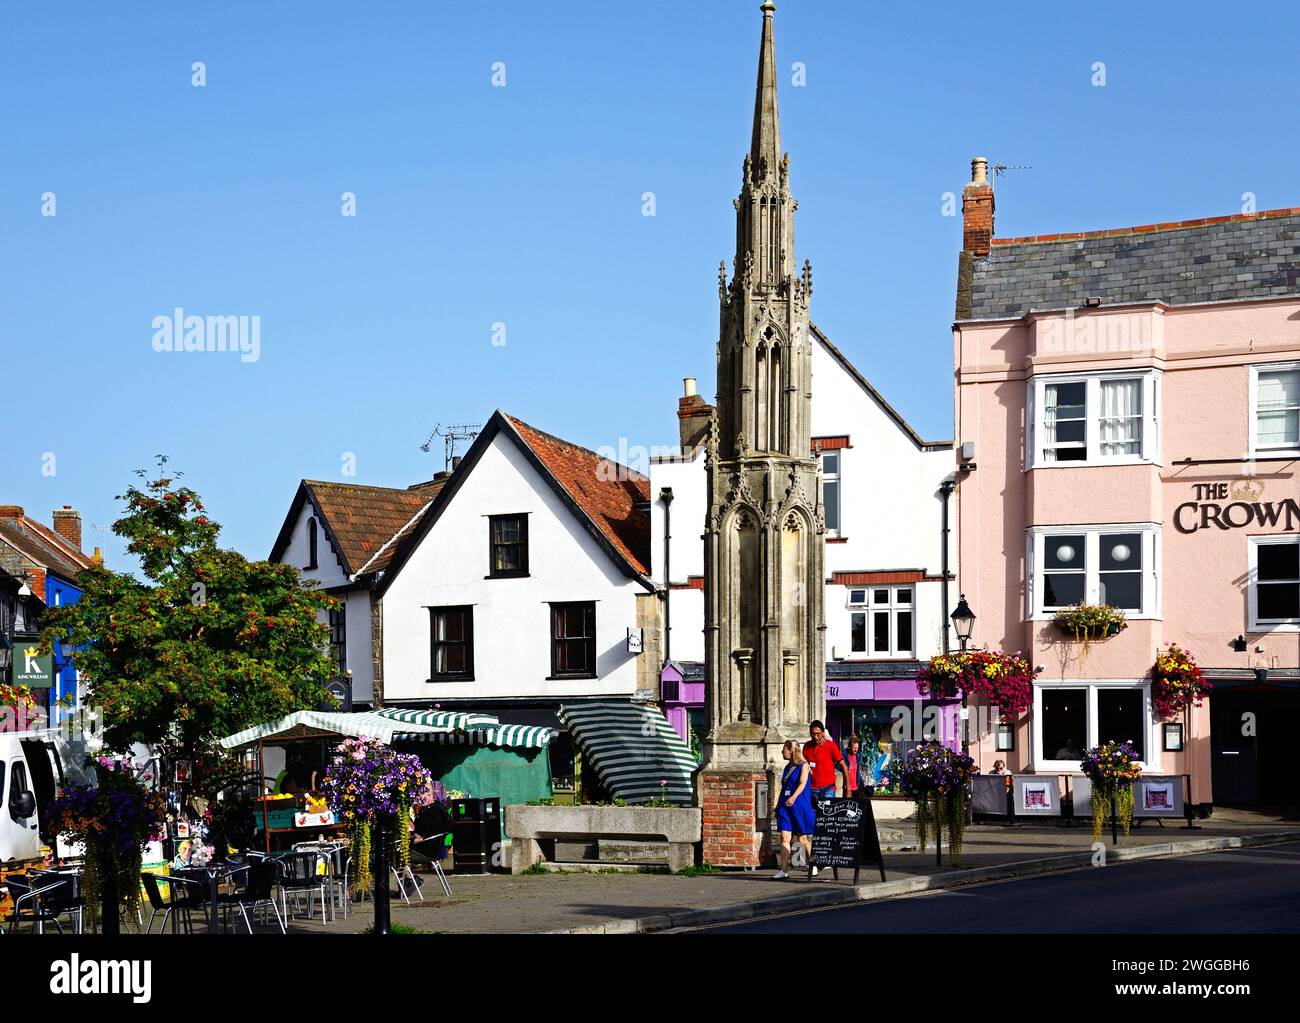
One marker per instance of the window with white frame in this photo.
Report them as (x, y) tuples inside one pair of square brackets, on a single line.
[(1115, 565), (831, 491), (1275, 409), (1072, 717), (882, 621), (1275, 590), (1080, 419)]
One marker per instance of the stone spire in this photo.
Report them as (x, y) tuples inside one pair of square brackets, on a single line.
[(766, 146), (764, 534)]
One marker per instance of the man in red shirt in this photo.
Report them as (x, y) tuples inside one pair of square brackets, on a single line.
[(824, 758)]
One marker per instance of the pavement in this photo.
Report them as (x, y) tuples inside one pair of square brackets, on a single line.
[(621, 902)]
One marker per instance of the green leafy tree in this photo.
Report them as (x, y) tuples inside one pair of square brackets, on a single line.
[(207, 645)]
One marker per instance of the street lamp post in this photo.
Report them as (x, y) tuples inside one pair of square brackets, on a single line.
[(963, 621)]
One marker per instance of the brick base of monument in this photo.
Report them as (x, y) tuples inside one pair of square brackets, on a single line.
[(732, 837)]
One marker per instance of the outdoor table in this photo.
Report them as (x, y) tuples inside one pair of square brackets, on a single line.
[(213, 877)]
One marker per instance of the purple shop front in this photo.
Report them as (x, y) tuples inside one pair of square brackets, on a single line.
[(866, 706)]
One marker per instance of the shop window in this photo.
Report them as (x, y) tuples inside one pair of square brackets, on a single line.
[(1092, 420), (1071, 719), (1097, 565), (1121, 715), (884, 625), (1064, 721), (1275, 593), (1275, 409), (452, 638)]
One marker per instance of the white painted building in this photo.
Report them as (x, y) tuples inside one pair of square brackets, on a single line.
[(887, 604)]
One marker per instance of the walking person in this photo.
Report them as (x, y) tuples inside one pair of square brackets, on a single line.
[(859, 768), (824, 759), (794, 809)]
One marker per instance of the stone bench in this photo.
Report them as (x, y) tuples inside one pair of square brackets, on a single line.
[(530, 826)]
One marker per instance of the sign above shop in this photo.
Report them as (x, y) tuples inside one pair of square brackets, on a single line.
[(31, 669), (1234, 505)]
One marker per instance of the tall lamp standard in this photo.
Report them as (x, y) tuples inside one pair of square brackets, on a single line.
[(963, 621)]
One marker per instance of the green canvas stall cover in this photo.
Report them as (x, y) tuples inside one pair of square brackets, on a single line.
[(513, 775)]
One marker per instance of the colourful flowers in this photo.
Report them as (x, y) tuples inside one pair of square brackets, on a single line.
[(938, 779), (1004, 680), (1110, 762), (1176, 682)]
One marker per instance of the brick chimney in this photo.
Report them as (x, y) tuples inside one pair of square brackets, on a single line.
[(67, 523), (977, 209), (693, 417), (11, 511)]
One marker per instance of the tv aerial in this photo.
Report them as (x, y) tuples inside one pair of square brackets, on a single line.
[(450, 435)]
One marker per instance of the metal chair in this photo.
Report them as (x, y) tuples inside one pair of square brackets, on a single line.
[(298, 873), (46, 895), (433, 850), (258, 892)]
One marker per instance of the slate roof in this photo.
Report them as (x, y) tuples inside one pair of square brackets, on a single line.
[(42, 546), (610, 503), (363, 523), (1248, 256)]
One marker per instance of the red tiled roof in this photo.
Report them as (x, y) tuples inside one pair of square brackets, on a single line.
[(608, 493), (42, 545), (365, 523)]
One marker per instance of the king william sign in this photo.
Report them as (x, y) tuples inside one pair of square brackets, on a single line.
[(31, 669)]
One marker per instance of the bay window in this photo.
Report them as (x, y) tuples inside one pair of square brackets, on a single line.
[(1275, 409), (1072, 717), (1115, 565), (1097, 419)]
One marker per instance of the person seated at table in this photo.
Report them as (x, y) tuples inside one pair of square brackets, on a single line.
[(430, 827), (998, 767)]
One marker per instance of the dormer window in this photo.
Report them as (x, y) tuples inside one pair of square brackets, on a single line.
[(311, 543)]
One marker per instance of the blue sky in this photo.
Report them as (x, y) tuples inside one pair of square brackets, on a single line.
[(522, 205)]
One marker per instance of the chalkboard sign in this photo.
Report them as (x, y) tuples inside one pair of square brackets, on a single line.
[(844, 835)]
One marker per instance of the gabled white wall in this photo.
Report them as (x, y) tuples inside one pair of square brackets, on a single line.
[(329, 574), (512, 623)]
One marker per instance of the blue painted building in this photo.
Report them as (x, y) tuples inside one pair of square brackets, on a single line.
[(47, 562)]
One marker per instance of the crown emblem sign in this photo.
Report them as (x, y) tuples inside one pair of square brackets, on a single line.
[(1247, 489)]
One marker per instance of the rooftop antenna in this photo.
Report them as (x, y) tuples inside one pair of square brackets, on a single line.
[(1001, 168), (450, 435)]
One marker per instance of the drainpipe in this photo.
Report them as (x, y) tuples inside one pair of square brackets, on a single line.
[(666, 495), (945, 492)]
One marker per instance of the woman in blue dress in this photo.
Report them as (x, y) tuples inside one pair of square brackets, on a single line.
[(794, 808)]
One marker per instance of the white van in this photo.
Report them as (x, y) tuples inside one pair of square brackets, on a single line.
[(34, 766)]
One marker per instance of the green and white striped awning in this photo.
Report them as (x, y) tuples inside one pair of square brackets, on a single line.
[(634, 750), (438, 718), (502, 736), (305, 724)]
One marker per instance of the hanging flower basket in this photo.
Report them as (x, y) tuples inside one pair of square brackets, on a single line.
[(1111, 767), (1176, 682), (1004, 680), (1090, 621), (369, 784), (114, 821), (939, 780)]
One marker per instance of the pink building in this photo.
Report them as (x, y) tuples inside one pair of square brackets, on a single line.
[(1128, 416)]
